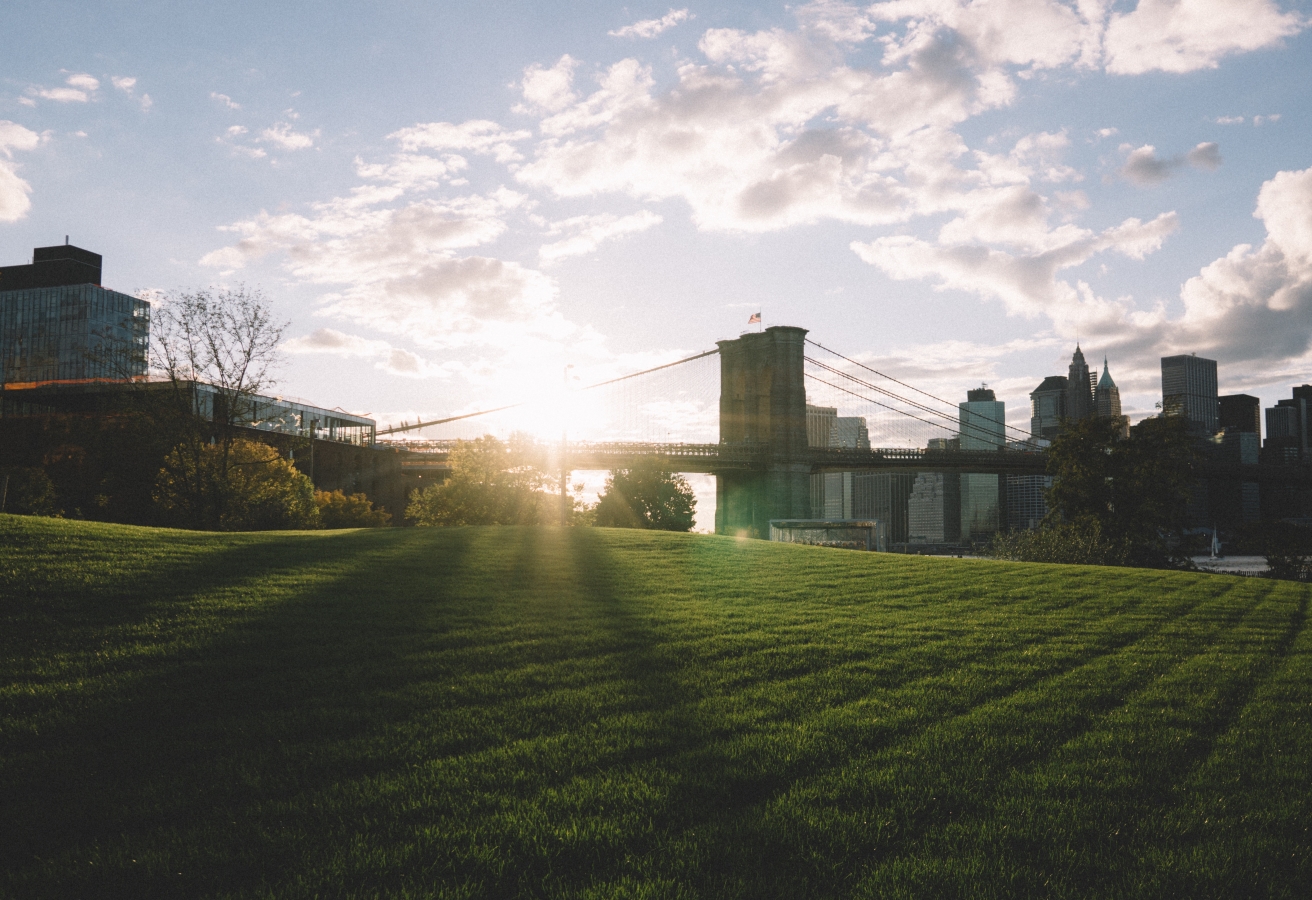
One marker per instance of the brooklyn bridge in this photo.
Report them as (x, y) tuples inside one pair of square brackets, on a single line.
[(761, 456)]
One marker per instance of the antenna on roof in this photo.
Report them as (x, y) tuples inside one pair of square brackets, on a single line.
[(65, 240)]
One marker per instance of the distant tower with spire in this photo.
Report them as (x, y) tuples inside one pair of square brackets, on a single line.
[(1079, 388), (1107, 398)]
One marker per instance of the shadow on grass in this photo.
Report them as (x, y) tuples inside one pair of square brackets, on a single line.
[(184, 781)]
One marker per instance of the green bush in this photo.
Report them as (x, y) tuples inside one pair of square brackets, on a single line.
[(28, 492), (250, 488), (1081, 542), (340, 510), (1288, 551), (492, 482)]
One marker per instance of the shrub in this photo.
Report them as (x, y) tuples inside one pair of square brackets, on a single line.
[(252, 488), (1288, 551), (1081, 542), (340, 510), (491, 483), (28, 492)]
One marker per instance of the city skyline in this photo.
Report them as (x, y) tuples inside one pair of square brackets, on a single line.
[(450, 204)]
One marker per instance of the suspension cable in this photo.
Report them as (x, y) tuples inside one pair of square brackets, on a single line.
[(484, 412), (869, 400), (677, 362), (911, 387), (979, 431)]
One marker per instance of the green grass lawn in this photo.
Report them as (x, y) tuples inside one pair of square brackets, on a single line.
[(590, 713)]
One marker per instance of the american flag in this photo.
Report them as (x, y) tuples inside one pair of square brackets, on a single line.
[(755, 319)]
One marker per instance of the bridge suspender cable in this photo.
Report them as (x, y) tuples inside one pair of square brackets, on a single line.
[(977, 430), (981, 432), (876, 402), (678, 362), (482, 412), (913, 388)]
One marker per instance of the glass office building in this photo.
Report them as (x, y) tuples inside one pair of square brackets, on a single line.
[(57, 324)]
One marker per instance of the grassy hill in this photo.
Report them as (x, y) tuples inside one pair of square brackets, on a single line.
[(592, 713)]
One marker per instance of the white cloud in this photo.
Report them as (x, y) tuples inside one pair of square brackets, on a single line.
[(14, 191), (337, 343), (1204, 156), (83, 81), (1256, 303), (225, 100), (80, 89), (778, 129), (548, 90), (62, 95), (649, 28), (393, 360), (1027, 283), (284, 136), (586, 233), (1186, 35), (476, 136), (128, 84), (1229, 120), (1143, 167), (412, 171)]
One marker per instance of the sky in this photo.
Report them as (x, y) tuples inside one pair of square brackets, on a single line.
[(451, 202)]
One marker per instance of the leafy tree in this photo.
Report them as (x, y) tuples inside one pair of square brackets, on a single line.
[(27, 491), (246, 486), (646, 496), (491, 483), (227, 341), (1136, 489), (340, 510)]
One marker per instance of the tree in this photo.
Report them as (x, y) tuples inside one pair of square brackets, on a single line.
[(340, 510), (491, 483), (646, 496), (27, 491), (256, 489), (1135, 489), (216, 351)]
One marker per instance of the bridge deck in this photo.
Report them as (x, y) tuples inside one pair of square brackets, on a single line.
[(715, 458)]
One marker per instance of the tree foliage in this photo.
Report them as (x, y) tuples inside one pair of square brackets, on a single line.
[(341, 510), (226, 340), (28, 491), (246, 486), (1079, 542), (1135, 489), (492, 482), (646, 496)]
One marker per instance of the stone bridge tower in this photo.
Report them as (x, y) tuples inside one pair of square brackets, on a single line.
[(763, 404)]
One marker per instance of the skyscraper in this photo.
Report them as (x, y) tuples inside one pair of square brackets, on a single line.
[(1079, 388), (982, 421), (1048, 407), (58, 324), (884, 496), (934, 509), (1240, 412), (1189, 390), (1287, 433), (1107, 400)]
